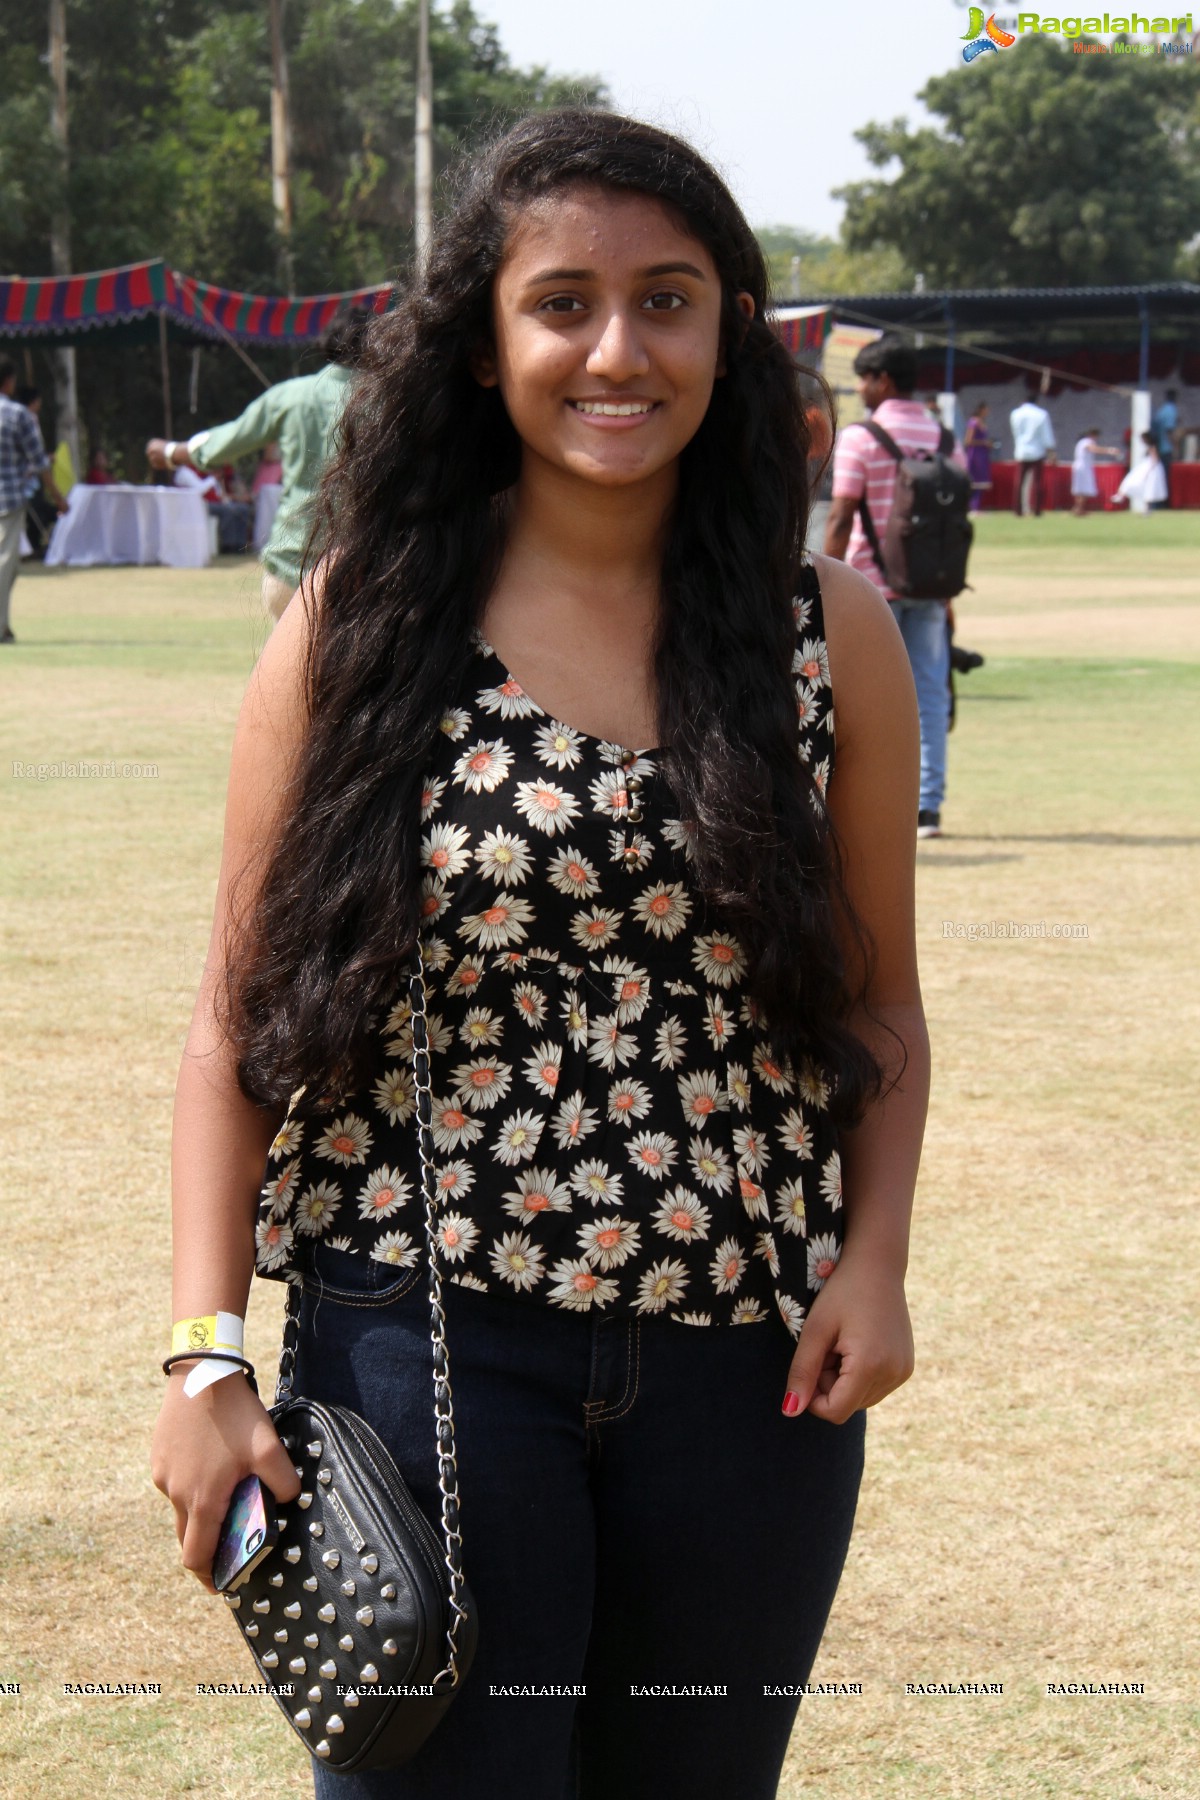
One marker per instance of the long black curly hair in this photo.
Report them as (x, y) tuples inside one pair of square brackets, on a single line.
[(410, 526)]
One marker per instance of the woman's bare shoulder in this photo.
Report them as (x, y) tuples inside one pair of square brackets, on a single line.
[(867, 659)]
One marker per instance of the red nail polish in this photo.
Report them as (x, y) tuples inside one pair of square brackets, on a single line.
[(791, 1403)]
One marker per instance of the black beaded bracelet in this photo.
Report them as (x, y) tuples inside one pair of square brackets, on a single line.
[(228, 1356)]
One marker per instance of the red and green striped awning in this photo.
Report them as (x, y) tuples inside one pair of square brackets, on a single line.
[(65, 306)]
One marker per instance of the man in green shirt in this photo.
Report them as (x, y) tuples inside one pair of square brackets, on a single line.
[(301, 415)]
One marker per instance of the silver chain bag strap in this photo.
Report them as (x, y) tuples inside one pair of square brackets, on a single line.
[(360, 1611)]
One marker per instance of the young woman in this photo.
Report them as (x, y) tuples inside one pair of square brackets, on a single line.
[(978, 446), (560, 698)]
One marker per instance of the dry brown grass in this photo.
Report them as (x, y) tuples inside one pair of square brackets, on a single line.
[(1029, 1508)]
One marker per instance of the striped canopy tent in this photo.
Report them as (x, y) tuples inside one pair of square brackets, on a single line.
[(132, 304), (803, 329)]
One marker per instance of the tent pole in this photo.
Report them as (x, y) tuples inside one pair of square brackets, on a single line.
[(165, 366)]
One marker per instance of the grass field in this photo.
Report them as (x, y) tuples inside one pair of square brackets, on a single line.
[(1029, 1509)]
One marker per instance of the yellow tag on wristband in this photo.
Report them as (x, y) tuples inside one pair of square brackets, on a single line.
[(209, 1331)]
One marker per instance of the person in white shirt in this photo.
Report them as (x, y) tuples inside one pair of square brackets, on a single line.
[(1033, 446), (1083, 469)]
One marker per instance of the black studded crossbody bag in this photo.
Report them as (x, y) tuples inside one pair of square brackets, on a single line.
[(359, 1618)]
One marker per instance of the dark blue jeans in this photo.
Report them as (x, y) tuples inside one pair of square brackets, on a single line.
[(636, 1511)]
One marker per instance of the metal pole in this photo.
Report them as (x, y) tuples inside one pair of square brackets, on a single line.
[(165, 366), (66, 396), (423, 146), (281, 184)]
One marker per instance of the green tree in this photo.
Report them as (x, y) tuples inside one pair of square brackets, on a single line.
[(170, 156), (1049, 169), (828, 266)]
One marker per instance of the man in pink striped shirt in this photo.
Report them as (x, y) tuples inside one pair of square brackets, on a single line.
[(887, 374)]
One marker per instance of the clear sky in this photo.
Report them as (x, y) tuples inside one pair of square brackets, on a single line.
[(770, 90)]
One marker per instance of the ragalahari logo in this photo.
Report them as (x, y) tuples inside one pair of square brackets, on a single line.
[(980, 37)]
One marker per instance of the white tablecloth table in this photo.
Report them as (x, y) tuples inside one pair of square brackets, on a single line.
[(128, 524), (266, 505)]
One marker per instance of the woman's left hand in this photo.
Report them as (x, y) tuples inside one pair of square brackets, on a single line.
[(856, 1344)]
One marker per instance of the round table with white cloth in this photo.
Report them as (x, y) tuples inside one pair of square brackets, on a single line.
[(266, 505), (123, 523)]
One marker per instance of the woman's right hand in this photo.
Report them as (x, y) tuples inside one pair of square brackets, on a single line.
[(203, 1445)]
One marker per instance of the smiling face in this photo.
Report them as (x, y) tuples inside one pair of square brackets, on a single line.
[(606, 318)]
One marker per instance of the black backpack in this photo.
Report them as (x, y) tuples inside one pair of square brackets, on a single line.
[(928, 536)]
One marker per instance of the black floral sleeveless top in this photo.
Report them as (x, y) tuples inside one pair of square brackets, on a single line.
[(612, 1129)]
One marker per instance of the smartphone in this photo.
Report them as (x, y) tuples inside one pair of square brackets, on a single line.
[(249, 1533)]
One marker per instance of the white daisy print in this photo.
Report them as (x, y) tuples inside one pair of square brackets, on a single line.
[(682, 1215), (574, 1016), (632, 851), (608, 1045), (454, 1129), (737, 1081), (764, 1246), (670, 1044), (435, 900), (444, 850), (287, 1139), (343, 1243), (692, 1318), (482, 1028), (771, 1069), (808, 705), (454, 1180), (628, 1100), (812, 1086), (394, 1095), (481, 1082), (557, 745), (746, 1312), (536, 1192), (316, 1206), (396, 1248), (498, 925), (728, 1265), (710, 1165), (346, 1140), (754, 1200), (454, 724), (820, 776), (802, 611), (681, 837), (572, 874), (823, 1254), (273, 1243), (517, 1260), (596, 1182), (509, 699), (483, 767), (718, 1021), (505, 856), (789, 1207), (831, 1182), (663, 909), (654, 1153), (385, 1193), (701, 1095), (579, 1288), (530, 1003), (437, 954), (547, 806), (661, 1286), (719, 958), (466, 977), (280, 1190), (630, 988), (431, 798), (517, 1140), (812, 662), (750, 1150), (573, 1121), (456, 1236), (795, 1134), (543, 1067), (470, 1281), (609, 793), (596, 928), (609, 1242), (791, 1312)]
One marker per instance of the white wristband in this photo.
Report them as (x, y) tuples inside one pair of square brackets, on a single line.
[(227, 1332)]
